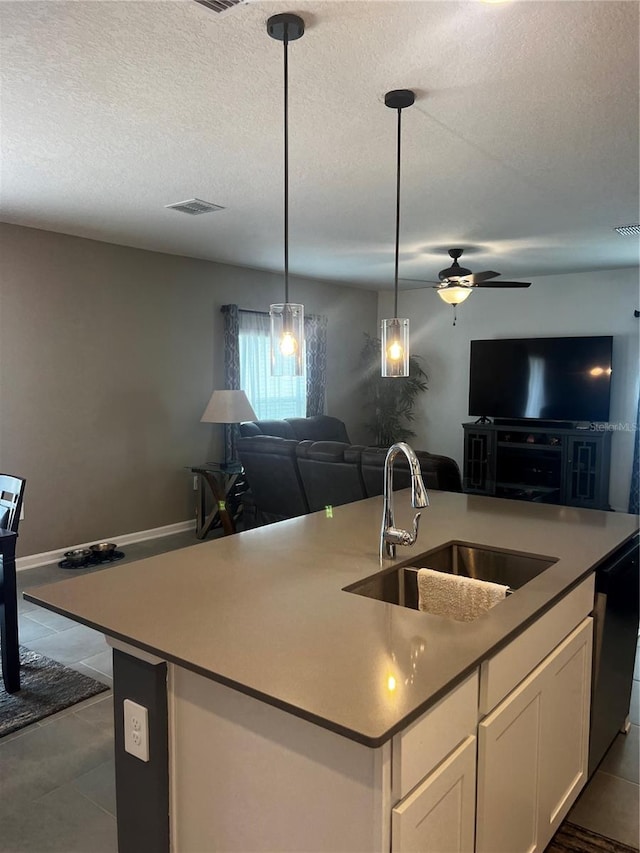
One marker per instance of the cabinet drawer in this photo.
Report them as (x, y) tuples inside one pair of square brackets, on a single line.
[(423, 745), (439, 814), (504, 671)]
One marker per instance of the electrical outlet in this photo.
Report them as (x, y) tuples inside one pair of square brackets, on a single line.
[(195, 482), (136, 730)]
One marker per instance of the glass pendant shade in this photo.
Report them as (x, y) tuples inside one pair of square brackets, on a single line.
[(287, 339), (394, 350), (454, 295)]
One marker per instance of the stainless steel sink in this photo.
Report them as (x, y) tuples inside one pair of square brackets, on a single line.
[(399, 585)]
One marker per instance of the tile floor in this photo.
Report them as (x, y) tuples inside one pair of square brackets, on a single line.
[(57, 776)]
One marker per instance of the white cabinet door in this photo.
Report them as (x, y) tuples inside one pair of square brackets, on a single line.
[(509, 751), (438, 816), (567, 699), (532, 751)]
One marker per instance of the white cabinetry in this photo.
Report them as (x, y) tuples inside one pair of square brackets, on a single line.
[(532, 751), (434, 772), (439, 814), (250, 776)]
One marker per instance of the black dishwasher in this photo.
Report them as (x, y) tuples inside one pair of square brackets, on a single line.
[(615, 638)]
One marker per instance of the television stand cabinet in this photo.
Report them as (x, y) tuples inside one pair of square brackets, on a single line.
[(538, 463)]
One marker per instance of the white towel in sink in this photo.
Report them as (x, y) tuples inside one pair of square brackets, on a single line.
[(456, 596)]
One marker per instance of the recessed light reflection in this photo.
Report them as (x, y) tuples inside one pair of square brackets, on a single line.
[(600, 371), (391, 683)]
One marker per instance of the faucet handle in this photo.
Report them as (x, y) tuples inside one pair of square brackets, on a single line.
[(398, 536), (416, 522)]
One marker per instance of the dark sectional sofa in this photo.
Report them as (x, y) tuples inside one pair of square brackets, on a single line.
[(300, 465)]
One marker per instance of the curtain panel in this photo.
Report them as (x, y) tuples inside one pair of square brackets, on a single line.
[(231, 338), (315, 333)]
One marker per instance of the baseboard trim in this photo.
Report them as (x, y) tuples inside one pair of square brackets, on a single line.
[(34, 560)]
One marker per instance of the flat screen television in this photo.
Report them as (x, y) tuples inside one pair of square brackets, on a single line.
[(551, 379)]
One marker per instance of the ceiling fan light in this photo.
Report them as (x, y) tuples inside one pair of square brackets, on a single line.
[(454, 295)]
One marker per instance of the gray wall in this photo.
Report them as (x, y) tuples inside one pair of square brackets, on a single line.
[(599, 303), (108, 356)]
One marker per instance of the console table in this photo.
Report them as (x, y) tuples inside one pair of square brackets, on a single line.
[(538, 463), (219, 478)]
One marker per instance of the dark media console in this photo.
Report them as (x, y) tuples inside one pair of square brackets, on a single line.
[(538, 461)]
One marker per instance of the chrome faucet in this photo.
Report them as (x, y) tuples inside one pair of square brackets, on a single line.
[(390, 535)]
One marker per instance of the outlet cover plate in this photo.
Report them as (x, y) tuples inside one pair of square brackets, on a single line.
[(136, 730)]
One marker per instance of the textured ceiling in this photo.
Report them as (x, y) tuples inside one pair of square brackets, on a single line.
[(522, 145)]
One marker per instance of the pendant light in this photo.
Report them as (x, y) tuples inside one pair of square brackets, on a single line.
[(395, 332), (286, 318)]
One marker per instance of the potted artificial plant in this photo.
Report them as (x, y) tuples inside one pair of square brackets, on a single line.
[(389, 403)]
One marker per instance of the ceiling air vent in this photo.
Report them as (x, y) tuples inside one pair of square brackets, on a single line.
[(221, 6), (628, 230), (194, 206)]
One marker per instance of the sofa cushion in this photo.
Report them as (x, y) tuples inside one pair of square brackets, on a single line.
[(250, 428), (438, 472), (272, 473), (330, 472), (319, 428), (316, 428), (329, 451)]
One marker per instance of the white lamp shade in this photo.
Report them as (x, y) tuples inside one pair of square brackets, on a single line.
[(454, 294), (228, 407)]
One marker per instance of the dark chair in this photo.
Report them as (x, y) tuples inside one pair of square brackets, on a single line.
[(330, 472), (11, 494), (438, 472), (270, 467)]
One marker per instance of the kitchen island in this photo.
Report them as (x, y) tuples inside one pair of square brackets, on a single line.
[(294, 715)]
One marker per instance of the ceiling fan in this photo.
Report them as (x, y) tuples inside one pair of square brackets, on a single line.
[(456, 282)]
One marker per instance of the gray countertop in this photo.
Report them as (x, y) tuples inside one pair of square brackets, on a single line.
[(264, 611)]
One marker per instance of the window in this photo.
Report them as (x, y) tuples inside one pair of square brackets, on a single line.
[(271, 396)]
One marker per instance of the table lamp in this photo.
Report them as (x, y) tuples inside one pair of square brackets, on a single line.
[(228, 407)]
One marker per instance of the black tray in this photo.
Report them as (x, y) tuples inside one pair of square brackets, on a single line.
[(92, 560)]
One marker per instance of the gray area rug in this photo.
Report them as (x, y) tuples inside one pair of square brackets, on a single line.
[(46, 687), (574, 839)]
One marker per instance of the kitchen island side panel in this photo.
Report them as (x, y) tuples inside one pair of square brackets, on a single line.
[(249, 776)]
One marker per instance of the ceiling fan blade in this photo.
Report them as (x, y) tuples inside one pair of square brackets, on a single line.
[(504, 284), (477, 277), (416, 283)]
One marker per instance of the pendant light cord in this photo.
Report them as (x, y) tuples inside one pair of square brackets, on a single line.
[(286, 165), (395, 277)]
